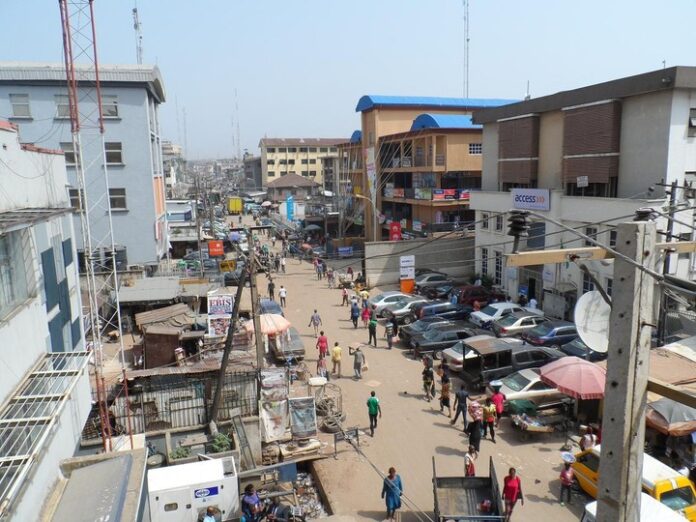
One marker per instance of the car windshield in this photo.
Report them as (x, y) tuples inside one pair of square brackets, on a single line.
[(541, 330), (459, 348), (516, 382), (678, 499), (401, 302), (508, 320), (420, 326), (489, 310), (576, 346), (432, 335)]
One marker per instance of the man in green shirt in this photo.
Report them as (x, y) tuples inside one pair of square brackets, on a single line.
[(373, 409)]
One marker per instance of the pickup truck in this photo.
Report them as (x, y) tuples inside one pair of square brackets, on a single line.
[(462, 498)]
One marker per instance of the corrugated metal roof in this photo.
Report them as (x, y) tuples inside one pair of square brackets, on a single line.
[(26, 217), (150, 289), (371, 101), (300, 142), (179, 312), (444, 121), (18, 72), (291, 180), (356, 137)]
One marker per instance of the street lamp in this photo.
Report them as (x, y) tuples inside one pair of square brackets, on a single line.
[(374, 214)]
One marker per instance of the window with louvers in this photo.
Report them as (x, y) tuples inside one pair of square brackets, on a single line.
[(518, 150), (591, 142)]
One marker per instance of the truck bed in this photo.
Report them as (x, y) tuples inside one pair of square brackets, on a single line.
[(458, 495)]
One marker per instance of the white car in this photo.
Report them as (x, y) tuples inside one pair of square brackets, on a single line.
[(385, 299), (454, 356), (497, 310), (526, 384)]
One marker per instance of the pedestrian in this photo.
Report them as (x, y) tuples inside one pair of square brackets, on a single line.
[(322, 370), (395, 325), (469, 459), (344, 295), (373, 312), (283, 294), (282, 263), (392, 489), (445, 395), (336, 352), (354, 314), (365, 295), (365, 315), (533, 305), (210, 512), (349, 271), (567, 476), (473, 429), (372, 330), (498, 398), (512, 491), (359, 361), (271, 289), (330, 277), (460, 399), (273, 240), (389, 333), (522, 300), (428, 379), (588, 440), (315, 321), (322, 344), (276, 263), (373, 409), (489, 416)]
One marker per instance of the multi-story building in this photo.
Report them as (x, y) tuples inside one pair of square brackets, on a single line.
[(34, 96), (45, 390), (293, 185), (382, 116), (587, 157), (302, 156), (253, 173), (174, 166), (351, 183)]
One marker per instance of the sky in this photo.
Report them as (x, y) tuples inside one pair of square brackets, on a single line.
[(299, 67)]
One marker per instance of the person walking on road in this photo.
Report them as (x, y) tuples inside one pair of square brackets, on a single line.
[(567, 477), (283, 294), (344, 295), (469, 460), (428, 380), (358, 361), (460, 399), (445, 395), (336, 352), (354, 314), (322, 344), (349, 272), (372, 329), (473, 429), (373, 409), (315, 321), (392, 489), (322, 370), (365, 315), (282, 263), (498, 398), (271, 289), (389, 333), (512, 492), (489, 416)]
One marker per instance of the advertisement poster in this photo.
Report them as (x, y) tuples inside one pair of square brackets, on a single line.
[(438, 194), (215, 248), (395, 231), (303, 417), (290, 208), (398, 193), (424, 193), (389, 190), (531, 199), (417, 226), (218, 325), (371, 169), (220, 304), (274, 403)]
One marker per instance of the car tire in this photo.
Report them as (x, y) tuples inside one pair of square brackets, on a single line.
[(407, 320), (437, 356)]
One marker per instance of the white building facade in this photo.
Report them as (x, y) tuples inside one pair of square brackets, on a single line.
[(588, 158)]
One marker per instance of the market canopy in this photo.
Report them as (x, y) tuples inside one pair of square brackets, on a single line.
[(575, 377), (266, 204), (271, 324), (671, 418)]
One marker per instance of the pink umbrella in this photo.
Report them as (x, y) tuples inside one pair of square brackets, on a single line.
[(271, 324), (576, 377)]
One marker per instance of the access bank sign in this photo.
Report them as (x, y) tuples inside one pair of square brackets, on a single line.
[(531, 199)]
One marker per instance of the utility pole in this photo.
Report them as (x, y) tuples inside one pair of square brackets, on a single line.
[(623, 421), (258, 336), (662, 318), (198, 224)]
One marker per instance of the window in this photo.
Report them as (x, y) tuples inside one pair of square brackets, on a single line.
[(498, 268), (303, 149), (110, 105), (62, 106), (69, 153), (20, 105), (292, 149), (475, 148), (15, 280), (291, 162), (114, 153), (333, 149), (609, 286), (484, 220), (499, 223), (612, 238), (312, 149), (305, 173), (117, 198), (323, 149), (304, 161), (587, 284), (692, 123), (270, 162), (283, 162), (312, 162), (282, 149), (270, 149), (271, 174), (77, 201), (592, 232), (312, 172), (172, 506)]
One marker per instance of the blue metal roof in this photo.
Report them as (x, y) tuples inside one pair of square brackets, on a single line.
[(444, 121), (369, 101), (356, 137)]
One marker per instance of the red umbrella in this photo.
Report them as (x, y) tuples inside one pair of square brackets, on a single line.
[(576, 377)]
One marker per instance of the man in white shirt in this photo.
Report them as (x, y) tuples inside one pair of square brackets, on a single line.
[(533, 303), (282, 293)]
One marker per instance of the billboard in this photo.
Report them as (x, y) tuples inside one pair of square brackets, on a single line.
[(531, 199), (215, 248)]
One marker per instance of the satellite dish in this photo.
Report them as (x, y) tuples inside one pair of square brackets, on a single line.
[(592, 321)]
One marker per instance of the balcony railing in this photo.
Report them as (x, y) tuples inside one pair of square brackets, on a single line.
[(426, 194)]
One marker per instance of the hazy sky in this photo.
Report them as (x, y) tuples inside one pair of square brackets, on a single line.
[(300, 66)]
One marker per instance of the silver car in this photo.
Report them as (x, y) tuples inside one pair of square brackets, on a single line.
[(401, 310), (515, 323), (381, 301)]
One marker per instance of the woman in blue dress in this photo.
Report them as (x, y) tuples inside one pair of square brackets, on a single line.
[(391, 492)]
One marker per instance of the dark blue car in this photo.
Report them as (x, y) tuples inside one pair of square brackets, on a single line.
[(551, 333), (579, 349)]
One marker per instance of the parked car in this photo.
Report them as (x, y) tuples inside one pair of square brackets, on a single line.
[(421, 271), (513, 324), (420, 326), (551, 333), (195, 255), (440, 338), (400, 310), (235, 277), (527, 384), (454, 356), (288, 346), (579, 349), (269, 306), (469, 294), (497, 358), (444, 309), (426, 280), (439, 291), (495, 311), (384, 299)]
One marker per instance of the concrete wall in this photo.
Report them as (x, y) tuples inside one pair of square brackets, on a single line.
[(451, 254), (489, 175), (550, 150)]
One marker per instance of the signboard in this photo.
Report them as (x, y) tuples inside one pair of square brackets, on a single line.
[(407, 267), (290, 208), (417, 226), (463, 194), (345, 251), (216, 248), (220, 304), (351, 434), (303, 417), (423, 193), (394, 231), (549, 274), (389, 190), (531, 199), (371, 169), (206, 492), (438, 194), (218, 324), (583, 181), (398, 193)]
